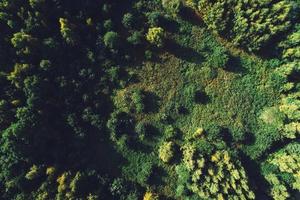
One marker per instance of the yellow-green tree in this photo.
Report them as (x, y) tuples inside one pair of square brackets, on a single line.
[(156, 36), (211, 176), (67, 31), (284, 163), (166, 151)]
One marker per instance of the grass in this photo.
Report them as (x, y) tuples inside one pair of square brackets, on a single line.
[(183, 84)]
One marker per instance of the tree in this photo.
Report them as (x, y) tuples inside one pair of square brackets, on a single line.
[(156, 36), (150, 196), (19, 73), (67, 31), (216, 14), (172, 6), (279, 165), (128, 20), (259, 21), (36, 3), (135, 38), (23, 43), (108, 25), (210, 174), (153, 18), (111, 39), (166, 151)]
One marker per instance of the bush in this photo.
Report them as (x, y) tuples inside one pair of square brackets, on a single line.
[(140, 129), (138, 101), (218, 58), (156, 36), (111, 39), (139, 168)]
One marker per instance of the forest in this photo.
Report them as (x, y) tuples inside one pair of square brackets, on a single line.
[(149, 99)]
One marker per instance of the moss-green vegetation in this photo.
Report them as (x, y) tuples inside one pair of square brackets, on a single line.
[(153, 100)]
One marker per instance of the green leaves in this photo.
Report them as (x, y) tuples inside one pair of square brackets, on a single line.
[(111, 39)]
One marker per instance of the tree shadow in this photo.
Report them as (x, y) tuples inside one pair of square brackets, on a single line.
[(235, 65), (252, 169), (170, 25), (249, 139), (177, 155), (184, 53), (151, 102), (182, 110), (151, 131), (156, 177), (125, 123), (137, 145), (226, 136), (188, 14), (201, 97), (294, 77)]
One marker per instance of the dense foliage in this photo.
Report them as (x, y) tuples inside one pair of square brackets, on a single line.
[(153, 100)]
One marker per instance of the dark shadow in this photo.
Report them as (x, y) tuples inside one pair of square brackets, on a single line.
[(170, 25), (188, 14), (109, 156), (184, 53), (156, 177), (252, 169), (294, 77), (182, 110), (167, 119), (137, 145), (129, 78), (201, 97), (151, 102), (151, 131), (270, 49), (278, 145), (234, 65), (125, 123), (177, 155), (249, 139), (226, 136)]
